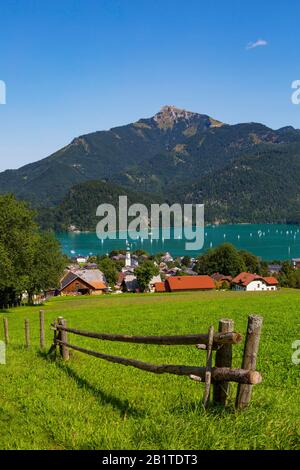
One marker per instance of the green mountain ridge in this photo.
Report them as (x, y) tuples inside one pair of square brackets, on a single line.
[(78, 208), (176, 155)]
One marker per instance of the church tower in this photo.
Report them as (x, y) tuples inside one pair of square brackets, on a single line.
[(128, 257)]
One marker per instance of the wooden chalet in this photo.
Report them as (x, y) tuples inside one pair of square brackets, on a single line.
[(83, 282)]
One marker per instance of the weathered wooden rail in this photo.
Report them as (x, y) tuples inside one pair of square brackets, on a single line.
[(220, 375)]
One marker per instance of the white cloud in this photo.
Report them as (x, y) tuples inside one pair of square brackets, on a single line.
[(258, 43)]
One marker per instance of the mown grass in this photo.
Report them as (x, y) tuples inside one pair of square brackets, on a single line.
[(91, 404)]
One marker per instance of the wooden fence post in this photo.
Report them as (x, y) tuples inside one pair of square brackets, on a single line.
[(27, 335), (5, 324), (63, 336), (42, 329), (254, 327), (223, 359), (208, 366)]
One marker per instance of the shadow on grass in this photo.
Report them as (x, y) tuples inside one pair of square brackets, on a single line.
[(123, 406)]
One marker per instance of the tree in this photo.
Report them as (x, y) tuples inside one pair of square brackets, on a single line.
[(47, 266), (186, 261), (288, 276), (252, 264), (18, 233), (140, 252), (108, 267), (29, 261), (145, 273), (224, 259), (264, 268)]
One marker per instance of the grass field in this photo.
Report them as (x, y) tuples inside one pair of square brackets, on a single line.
[(91, 404)]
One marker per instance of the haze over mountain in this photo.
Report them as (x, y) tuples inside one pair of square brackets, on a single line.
[(238, 171)]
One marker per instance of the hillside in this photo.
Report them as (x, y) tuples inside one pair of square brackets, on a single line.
[(93, 404), (176, 155), (78, 207), (261, 188)]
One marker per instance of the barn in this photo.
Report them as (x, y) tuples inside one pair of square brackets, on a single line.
[(186, 283), (83, 282)]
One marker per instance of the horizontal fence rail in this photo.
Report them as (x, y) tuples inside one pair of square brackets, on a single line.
[(219, 376), (170, 340)]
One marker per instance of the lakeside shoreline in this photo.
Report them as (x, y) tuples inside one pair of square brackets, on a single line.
[(268, 241)]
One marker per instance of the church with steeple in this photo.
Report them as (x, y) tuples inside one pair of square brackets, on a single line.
[(128, 257), (130, 263)]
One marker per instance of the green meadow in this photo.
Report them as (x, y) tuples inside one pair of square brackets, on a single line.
[(89, 403)]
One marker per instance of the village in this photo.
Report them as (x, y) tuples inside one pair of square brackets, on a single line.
[(84, 277)]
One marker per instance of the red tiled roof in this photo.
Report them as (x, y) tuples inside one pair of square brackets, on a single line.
[(272, 281), (98, 285), (245, 278), (190, 282), (160, 287)]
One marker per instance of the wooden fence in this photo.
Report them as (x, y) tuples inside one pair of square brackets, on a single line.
[(27, 330), (219, 376)]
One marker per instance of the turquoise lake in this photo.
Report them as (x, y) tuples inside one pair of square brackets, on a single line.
[(269, 241)]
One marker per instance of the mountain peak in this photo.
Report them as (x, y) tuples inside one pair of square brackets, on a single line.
[(173, 113), (170, 115)]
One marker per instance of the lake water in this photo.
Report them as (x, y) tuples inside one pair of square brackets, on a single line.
[(269, 241)]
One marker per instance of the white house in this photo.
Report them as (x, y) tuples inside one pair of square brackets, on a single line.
[(254, 282), (154, 280), (81, 259), (167, 258), (296, 263)]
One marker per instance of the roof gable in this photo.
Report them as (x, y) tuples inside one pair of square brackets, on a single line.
[(245, 278), (271, 281)]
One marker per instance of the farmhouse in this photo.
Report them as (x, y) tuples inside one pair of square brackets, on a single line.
[(254, 282), (186, 283), (83, 282)]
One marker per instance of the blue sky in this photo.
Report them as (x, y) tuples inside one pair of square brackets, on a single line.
[(76, 66)]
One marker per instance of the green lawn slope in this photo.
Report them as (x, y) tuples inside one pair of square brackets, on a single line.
[(91, 404)]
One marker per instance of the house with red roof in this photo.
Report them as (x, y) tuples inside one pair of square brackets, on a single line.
[(188, 283), (83, 282), (254, 282)]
